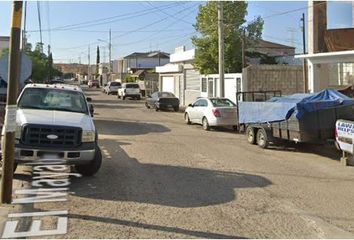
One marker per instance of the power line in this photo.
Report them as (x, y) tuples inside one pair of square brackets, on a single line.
[(152, 35), (170, 15), (104, 20), (291, 11), (184, 9)]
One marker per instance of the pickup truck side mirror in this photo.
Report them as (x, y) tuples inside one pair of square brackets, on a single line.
[(92, 110), (149, 96), (190, 105), (89, 99)]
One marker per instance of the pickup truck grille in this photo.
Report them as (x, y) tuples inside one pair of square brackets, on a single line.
[(51, 136)]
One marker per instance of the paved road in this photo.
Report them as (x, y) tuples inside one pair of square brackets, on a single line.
[(161, 178)]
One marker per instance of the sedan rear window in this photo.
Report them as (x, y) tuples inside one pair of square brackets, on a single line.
[(167, 95), (222, 103), (115, 84), (132, 86)]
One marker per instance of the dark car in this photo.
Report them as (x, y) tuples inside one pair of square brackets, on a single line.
[(162, 100)]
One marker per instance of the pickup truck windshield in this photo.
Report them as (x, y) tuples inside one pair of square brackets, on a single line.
[(53, 99)]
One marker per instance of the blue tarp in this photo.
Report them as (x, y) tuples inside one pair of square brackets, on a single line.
[(281, 108)]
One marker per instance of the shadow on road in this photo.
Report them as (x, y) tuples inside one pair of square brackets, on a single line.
[(324, 150), (167, 185), (108, 127), (114, 105), (198, 234)]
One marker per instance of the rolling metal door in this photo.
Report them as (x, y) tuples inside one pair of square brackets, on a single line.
[(192, 80), (168, 84)]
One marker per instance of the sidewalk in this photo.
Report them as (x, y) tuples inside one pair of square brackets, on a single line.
[(21, 180)]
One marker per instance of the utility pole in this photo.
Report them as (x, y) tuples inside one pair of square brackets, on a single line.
[(243, 42), (110, 54), (304, 51), (24, 39), (40, 24), (221, 48), (89, 66), (11, 107)]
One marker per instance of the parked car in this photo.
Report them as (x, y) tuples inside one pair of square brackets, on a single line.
[(211, 112), (94, 83), (112, 87), (129, 90), (162, 100), (56, 123)]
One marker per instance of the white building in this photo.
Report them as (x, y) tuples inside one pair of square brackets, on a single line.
[(184, 81), (4, 43)]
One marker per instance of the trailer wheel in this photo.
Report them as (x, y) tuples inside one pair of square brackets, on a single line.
[(262, 138), (251, 134)]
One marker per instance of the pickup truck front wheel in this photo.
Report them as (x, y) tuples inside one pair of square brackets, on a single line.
[(91, 168)]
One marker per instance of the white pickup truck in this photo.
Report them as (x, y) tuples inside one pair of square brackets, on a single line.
[(54, 122)]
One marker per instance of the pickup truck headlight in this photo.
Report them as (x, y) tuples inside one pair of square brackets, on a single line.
[(88, 136)]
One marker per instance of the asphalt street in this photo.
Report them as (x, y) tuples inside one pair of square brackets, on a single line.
[(161, 178)]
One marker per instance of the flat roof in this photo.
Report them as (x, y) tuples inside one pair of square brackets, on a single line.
[(329, 57)]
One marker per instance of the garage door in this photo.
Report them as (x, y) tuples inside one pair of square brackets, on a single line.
[(168, 84)]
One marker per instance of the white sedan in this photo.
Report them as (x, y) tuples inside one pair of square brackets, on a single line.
[(211, 112)]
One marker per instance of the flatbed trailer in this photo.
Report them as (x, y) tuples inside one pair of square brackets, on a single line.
[(313, 127)]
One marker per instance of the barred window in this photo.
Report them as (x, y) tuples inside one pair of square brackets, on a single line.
[(204, 84)]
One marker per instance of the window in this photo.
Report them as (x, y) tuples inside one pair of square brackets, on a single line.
[(222, 102), (201, 103), (204, 85), (53, 99), (115, 84), (197, 103), (132, 85), (167, 95)]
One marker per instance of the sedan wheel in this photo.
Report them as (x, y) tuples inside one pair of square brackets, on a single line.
[(186, 118), (205, 123)]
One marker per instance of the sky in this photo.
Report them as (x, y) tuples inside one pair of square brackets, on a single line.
[(142, 26)]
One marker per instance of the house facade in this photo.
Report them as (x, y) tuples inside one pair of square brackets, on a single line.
[(183, 80), (173, 76), (138, 62)]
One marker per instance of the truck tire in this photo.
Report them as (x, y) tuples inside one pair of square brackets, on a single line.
[(251, 134), (262, 138), (123, 97), (92, 167), (176, 109)]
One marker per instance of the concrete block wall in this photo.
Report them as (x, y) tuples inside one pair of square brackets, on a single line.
[(288, 79)]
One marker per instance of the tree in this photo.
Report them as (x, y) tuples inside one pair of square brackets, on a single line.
[(206, 58), (42, 65), (97, 60)]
